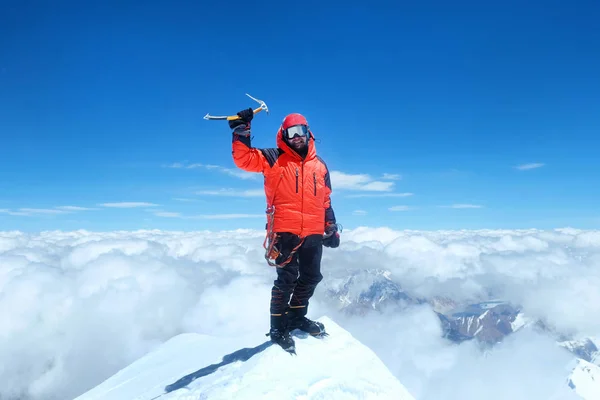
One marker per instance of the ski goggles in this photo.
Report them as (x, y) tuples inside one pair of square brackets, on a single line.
[(296, 130)]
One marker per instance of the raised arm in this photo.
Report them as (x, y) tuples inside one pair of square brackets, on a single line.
[(244, 155)]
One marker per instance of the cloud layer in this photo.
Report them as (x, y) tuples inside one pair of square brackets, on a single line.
[(75, 307)]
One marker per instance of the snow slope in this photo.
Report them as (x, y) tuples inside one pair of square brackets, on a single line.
[(336, 367), (585, 380)]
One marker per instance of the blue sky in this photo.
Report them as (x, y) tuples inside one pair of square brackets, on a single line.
[(424, 112)]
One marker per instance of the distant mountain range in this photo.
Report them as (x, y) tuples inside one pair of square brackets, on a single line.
[(489, 322)]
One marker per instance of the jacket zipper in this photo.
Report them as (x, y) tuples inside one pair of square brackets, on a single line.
[(315, 182), (302, 206), (296, 180)]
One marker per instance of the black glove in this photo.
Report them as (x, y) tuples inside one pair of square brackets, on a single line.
[(332, 236), (245, 118)]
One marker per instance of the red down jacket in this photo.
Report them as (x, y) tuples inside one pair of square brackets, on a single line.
[(299, 189)]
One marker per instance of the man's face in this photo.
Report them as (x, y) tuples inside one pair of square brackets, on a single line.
[(298, 142), (297, 136)]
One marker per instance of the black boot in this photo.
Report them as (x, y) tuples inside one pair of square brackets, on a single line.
[(297, 320), (280, 334)]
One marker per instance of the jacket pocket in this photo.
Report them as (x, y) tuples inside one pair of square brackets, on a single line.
[(296, 180), (315, 182)]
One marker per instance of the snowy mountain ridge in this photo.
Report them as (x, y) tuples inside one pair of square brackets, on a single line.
[(194, 366), (586, 348)]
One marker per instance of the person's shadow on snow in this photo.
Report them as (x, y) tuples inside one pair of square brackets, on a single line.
[(238, 355)]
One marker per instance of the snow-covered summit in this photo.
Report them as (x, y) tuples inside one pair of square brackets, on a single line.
[(336, 367)]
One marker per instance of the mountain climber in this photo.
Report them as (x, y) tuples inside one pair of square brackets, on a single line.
[(300, 219)]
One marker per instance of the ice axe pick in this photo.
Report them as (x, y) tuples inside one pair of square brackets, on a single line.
[(263, 106)]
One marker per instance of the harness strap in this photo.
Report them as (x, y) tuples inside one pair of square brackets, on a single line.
[(272, 252)]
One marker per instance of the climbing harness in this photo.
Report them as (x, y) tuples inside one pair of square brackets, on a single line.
[(272, 251)]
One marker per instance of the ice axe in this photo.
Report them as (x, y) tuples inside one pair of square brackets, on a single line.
[(263, 106)]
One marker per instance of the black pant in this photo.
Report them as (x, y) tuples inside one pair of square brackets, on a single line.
[(300, 277)]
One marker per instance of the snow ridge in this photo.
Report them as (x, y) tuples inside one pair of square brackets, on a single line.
[(192, 366)]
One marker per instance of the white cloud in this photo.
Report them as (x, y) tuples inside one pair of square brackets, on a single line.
[(392, 177), (232, 192), (379, 195), (524, 367), (363, 182), (29, 212), (185, 200), (529, 166), (359, 212), (226, 216), (238, 173), (235, 172), (130, 204), (109, 298), (175, 165), (11, 212), (47, 211), (166, 214), (32, 212), (17, 213), (400, 208), (75, 208), (463, 206)]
